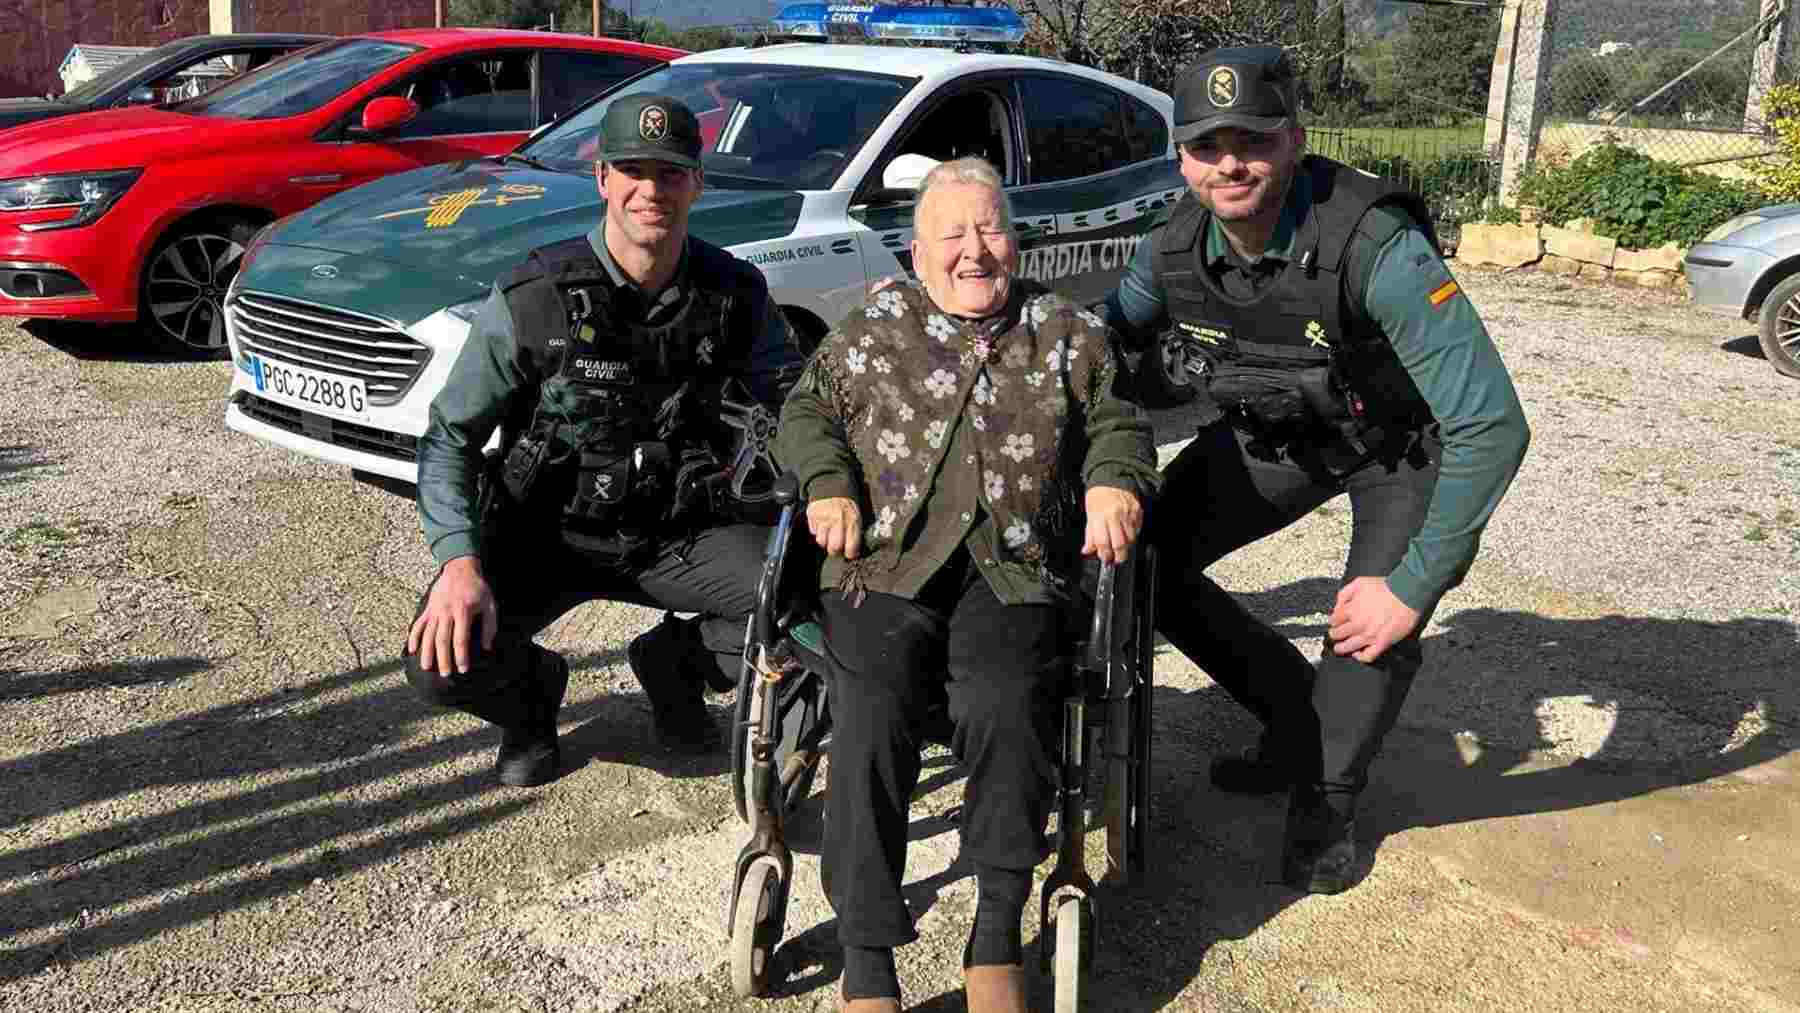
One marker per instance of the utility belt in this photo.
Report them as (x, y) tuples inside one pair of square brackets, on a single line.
[(1307, 414)]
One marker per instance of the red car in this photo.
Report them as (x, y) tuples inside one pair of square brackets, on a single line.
[(143, 213)]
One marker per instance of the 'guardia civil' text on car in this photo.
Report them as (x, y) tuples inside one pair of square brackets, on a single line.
[(344, 320)]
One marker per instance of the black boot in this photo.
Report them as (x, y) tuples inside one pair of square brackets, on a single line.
[(666, 667), (1319, 853), (529, 754), (1259, 770)]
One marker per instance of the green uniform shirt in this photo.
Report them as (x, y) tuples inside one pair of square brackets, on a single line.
[(1411, 296)]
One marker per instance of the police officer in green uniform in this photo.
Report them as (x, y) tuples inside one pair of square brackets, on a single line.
[(1336, 354), (609, 363)]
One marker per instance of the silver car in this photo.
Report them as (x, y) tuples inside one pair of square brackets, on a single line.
[(1749, 267)]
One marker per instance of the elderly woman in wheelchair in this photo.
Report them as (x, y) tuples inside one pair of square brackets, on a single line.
[(947, 439)]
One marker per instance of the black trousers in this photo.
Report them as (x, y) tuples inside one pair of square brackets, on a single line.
[(1218, 497), (535, 582), (1005, 674)]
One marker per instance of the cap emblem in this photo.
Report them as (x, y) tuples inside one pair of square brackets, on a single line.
[(653, 123), (1222, 87)]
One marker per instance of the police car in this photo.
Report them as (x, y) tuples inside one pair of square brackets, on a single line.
[(344, 319)]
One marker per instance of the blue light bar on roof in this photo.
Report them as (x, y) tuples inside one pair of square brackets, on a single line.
[(922, 23)]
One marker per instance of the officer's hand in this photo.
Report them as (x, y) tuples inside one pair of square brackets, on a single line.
[(836, 525), (1369, 619), (1114, 518), (440, 636)]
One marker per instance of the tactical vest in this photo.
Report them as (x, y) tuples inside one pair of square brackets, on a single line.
[(624, 411), (1302, 339)]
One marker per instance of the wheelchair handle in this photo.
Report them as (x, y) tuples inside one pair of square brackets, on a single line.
[(1100, 645)]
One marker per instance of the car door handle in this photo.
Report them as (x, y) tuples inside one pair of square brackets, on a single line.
[(328, 177)]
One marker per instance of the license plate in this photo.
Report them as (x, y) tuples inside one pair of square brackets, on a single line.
[(308, 388)]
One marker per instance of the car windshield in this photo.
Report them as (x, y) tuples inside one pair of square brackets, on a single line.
[(760, 126), (87, 90), (301, 83)]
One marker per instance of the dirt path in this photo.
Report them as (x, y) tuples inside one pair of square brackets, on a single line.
[(217, 793)]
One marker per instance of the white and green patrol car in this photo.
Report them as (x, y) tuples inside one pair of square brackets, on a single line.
[(344, 319)]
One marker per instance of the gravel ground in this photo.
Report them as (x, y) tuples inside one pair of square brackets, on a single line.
[(216, 791)]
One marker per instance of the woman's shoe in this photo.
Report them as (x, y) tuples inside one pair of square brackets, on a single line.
[(995, 988)]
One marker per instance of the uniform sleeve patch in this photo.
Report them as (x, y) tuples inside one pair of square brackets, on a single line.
[(1442, 293)]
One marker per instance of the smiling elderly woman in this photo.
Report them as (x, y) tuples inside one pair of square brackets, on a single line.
[(947, 437)]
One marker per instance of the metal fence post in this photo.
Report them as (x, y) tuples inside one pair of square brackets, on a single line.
[(1530, 98), (1500, 82), (1769, 50)]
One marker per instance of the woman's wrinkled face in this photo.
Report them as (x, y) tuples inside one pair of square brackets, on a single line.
[(963, 249)]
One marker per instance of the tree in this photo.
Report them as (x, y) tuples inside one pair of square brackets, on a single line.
[(1446, 60), (1579, 84), (1328, 66)]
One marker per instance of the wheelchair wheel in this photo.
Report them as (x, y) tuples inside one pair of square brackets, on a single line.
[(1072, 952), (756, 926)]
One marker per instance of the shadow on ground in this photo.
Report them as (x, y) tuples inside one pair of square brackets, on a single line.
[(343, 750), (1748, 345), (109, 342)]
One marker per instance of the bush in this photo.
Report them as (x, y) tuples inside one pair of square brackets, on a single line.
[(1781, 180), (1638, 200)]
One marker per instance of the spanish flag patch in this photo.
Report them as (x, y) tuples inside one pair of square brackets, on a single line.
[(1442, 293)]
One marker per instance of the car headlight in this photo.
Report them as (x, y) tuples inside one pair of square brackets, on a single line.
[(89, 193), (465, 311), (1734, 225)]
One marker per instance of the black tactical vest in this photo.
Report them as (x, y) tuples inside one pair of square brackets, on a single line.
[(1304, 320), (622, 407)]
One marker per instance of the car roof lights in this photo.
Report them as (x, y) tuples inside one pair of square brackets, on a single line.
[(916, 22)]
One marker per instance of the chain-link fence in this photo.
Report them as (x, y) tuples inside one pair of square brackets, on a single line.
[(1679, 81)]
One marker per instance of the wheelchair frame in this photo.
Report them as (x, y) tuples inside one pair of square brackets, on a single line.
[(782, 724)]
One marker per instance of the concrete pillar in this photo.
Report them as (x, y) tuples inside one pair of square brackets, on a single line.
[(1500, 84), (231, 16), (1530, 98), (1771, 44)]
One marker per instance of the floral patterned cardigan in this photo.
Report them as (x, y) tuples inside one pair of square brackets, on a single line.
[(947, 431)]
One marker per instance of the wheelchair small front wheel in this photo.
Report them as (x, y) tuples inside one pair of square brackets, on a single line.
[(1072, 952), (756, 926)]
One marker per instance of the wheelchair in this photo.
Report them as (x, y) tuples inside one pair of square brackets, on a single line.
[(782, 730)]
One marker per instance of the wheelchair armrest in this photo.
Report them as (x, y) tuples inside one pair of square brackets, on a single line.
[(771, 593)]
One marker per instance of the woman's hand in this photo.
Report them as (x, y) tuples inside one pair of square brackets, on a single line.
[(1114, 518), (836, 525)]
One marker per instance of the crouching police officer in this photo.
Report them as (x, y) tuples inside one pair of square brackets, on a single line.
[(1337, 356), (606, 362)]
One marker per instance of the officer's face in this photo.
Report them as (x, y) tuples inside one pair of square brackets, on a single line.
[(1242, 175), (962, 249), (647, 201)]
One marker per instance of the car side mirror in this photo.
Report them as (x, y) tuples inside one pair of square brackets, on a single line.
[(142, 95), (387, 113)]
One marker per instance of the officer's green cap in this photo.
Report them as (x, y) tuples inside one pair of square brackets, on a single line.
[(656, 127), (1248, 87)]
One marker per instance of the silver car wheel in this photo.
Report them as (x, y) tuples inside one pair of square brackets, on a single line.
[(186, 285)]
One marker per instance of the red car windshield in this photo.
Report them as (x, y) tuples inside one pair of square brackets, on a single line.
[(301, 83)]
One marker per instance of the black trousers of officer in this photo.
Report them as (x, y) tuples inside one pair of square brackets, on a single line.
[(536, 581), (1004, 678), (1218, 497)]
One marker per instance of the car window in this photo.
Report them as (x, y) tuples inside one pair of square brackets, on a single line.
[(1072, 128), (569, 77), (972, 123), (301, 84), (761, 126), (87, 90), (1146, 132), (485, 94), (202, 74)]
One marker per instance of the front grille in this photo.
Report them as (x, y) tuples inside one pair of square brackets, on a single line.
[(349, 435), (376, 351)]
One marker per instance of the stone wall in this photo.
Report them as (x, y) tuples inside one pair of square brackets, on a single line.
[(1573, 251)]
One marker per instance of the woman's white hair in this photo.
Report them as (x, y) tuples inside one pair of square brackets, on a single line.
[(971, 169)]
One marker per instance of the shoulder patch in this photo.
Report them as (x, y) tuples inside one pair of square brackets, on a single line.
[(1443, 293)]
